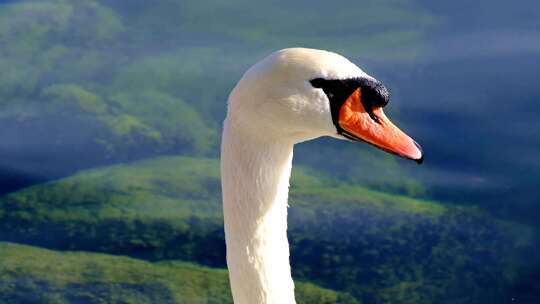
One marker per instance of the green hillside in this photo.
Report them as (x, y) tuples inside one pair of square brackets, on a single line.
[(33, 275), (377, 246), (90, 83), (96, 95)]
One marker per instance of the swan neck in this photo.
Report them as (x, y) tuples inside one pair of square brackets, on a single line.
[(255, 170)]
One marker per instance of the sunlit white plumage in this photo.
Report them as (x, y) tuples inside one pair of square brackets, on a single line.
[(273, 107)]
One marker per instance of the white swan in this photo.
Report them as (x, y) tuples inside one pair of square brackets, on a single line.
[(291, 96)]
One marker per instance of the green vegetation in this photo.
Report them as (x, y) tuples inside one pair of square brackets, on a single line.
[(111, 82), (58, 61), (97, 84), (32, 275), (378, 247)]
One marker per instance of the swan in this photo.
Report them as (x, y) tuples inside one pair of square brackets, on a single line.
[(291, 96)]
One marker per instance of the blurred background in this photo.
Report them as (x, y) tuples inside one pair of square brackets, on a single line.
[(110, 118)]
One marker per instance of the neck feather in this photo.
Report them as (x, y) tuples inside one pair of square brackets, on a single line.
[(255, 170)]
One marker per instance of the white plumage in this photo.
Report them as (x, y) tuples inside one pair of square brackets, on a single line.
[(272, 107)]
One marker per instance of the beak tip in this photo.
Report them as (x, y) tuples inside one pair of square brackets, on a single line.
[(421, 159)]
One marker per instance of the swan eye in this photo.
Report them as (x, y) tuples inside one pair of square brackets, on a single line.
[(318, 82)]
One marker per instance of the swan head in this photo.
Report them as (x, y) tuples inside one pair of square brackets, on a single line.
[(298, 94)]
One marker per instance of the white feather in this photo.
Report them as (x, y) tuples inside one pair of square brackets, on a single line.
[(271, 108)]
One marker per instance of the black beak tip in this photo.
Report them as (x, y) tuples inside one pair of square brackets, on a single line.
[(421, 159)]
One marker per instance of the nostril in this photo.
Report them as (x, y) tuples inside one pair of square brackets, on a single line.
[(374, 117)]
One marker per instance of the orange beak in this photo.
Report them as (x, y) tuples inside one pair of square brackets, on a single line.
[(375, 128)]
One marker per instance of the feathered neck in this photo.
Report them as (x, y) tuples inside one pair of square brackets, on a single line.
[(255, 172)]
